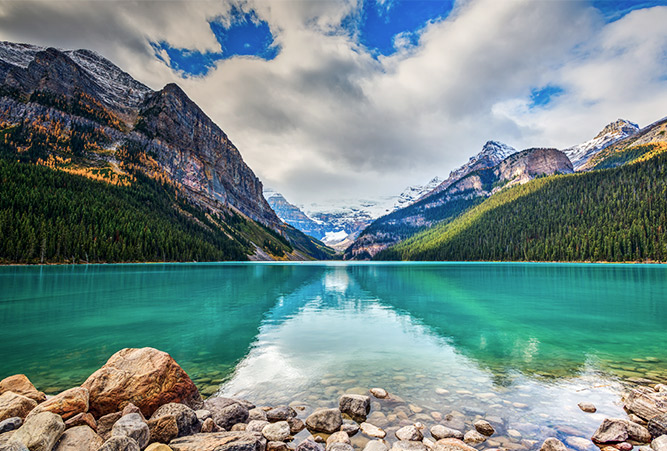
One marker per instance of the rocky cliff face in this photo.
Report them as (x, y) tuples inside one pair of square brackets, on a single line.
[(580, 154), (292, 215), (528, 164)]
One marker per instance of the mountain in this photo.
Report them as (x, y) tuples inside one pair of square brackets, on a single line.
[(76, 112), (415, 192), (466, 187), (292, 215), (580, 154)]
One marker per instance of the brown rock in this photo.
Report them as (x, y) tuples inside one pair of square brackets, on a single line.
[(587, 407), (163, 429), (131, 408), (296, 425), (40, 432), (82, 419), (79, 438), (21, 385), (209, 426), (452, 444), (105, 424), (276, 446), (239, 427), (646, 403), (616, 430), (66, 404), (657, 425), (553, 444), (325, 420), (186, 418), (484, 427), (145, 377), (219, 441), (473, 438), (15, 405), (158, 447)]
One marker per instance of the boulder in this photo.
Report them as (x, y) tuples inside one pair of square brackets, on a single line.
[(131, 408), (553, 444), (440, 432), (376, 445), (105, 424), (209, 426), (356, 406), (452, 444), (66, 404), (660, 443), (203, 414), (186, 418), (219, 441), (657, 425), (21, 385), (238, 427), (163, 429), (257, 414), (134, 427), (276, 432), (646, 403), (82, 419), (256, 426), (484, 427), (616, 430), (158, 447), (226, 412), (309, 445), (10, 424), (404, 445), (120, 443), (587, 407), (473, 438), (325, 420), (145, 377), (79, 438), (296, 425), (337, 437), (372, 431), (40, 432), (379, 393), (15, 405), (350, 427), (280, 413), (410, 433), (579, 443), (14, 446), (276, 446), (340, 447)]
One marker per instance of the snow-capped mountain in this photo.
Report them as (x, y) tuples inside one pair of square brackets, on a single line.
[(492, 153), (415, 192), (609, 135)]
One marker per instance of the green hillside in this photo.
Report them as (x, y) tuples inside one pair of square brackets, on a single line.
[(617, 214)]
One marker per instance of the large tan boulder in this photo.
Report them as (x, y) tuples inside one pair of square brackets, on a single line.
[(20, 384), (79, 438), (219, 441), (15, 405), (145, 377), (66, 404), (40, 432)]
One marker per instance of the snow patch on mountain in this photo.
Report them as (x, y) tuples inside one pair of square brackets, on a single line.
[(609, 135)]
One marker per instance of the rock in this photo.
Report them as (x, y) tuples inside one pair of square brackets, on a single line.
[(484, 427), (21, 385), (13, 446), (372, 430), (186, 418), (380, 393), (440, 432), (238, 427), (120, 443), (454, 422), (134, 427), (635, 419), (209, 426), (145, 377), (514, 433), (276, 432), (410, 433), (452, 444), (660, 387), (257, 414), (105, 424), (203, 414), (15, 405), (40, 432), (10, 424), (616, 430), (473, 438), (350, 427), (82, 419), (226, 412), (256, 426), (79, 438), (66, 404), (296, 425), (660, 443), (587, 407), (657, 425), (219, 441), (579, 443), (337, 437), (309, 445), (163, 429), (646, 403), (643, 448), (356, 406), (325, 420), (280, 413), (158, 447), (131, 408), (553, 444), (376, 445), (340, 447), (276, 446), (404, 445), (623, 446)]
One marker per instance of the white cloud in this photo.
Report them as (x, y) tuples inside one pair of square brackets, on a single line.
[(326, 119)]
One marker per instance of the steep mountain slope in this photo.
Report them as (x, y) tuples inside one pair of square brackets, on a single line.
[(292, 215), (616, 214), (612, 133), (461, 194), (76, 112)]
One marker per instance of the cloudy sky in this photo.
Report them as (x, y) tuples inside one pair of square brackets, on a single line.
[(359, 98)]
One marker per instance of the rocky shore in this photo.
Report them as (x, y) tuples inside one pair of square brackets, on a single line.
[(141, 399)]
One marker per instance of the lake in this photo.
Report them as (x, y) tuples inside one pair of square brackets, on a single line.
[(521, 344)]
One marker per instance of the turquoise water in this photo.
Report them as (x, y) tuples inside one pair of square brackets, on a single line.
[(522, 343)]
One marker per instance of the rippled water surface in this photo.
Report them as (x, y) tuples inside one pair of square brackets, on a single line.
[(520, 344)]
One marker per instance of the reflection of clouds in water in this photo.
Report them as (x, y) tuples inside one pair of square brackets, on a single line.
[(336, 280)]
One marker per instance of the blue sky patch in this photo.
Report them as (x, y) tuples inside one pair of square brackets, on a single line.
[(616, 9), (246, 35), (542, 96)]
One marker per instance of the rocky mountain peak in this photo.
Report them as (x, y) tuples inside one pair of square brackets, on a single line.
[(620, 127), (610, 134), (496, 148)]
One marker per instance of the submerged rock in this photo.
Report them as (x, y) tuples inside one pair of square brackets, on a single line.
[(405, 445), (440, 432), (553, 444), (484, 427), (376, 445), (452, 444)]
